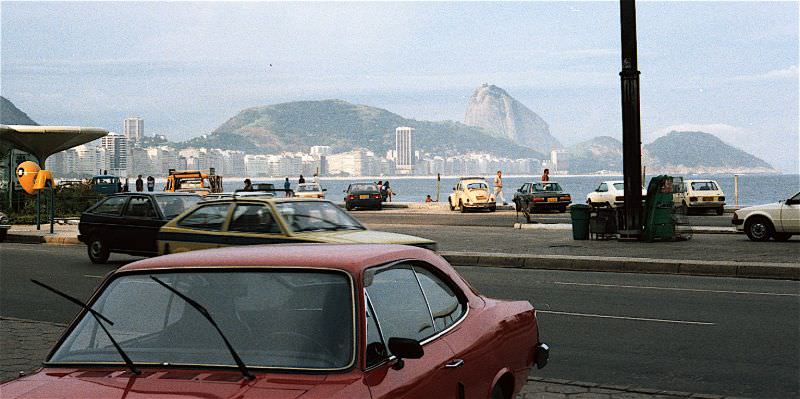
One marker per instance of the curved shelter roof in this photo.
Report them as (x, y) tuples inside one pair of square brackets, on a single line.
[(43, 141)]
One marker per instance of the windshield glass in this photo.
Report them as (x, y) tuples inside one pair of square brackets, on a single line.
[(546, 187), (307, 187), (273, 318), (174, 205), (477, 186), (316, 216), (371, 188), (704, 186)]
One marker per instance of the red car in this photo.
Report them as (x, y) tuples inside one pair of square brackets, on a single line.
[(290, 321)]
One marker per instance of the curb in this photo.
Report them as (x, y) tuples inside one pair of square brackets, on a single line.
[(567, 226), (41, 239), (780, 271)]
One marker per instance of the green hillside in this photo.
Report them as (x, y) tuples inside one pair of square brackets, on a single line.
[(699, 150), (295, 126), (11, 115)]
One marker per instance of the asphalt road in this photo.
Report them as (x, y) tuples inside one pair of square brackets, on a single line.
[(495, 219), (713, 335)]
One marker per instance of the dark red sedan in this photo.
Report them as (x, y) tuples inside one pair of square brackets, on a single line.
[(290, 321)]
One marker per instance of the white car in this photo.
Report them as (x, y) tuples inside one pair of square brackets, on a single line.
[(700, 194), (471, 193), (778, 220), (610, 194), (309, 190)]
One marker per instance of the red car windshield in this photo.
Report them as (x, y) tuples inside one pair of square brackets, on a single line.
[(282, 318)]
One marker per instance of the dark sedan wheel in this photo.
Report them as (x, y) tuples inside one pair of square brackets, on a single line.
[(758, 228), (348, 207), (781, 236), (98, 251)]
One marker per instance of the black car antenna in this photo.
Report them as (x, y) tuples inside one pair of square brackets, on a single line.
[(100, 318), (200, 308)]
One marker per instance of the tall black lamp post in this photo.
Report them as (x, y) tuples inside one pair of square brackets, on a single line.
[(631, 124)]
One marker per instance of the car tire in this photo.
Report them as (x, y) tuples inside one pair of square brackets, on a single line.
[(380, 207), (348, 207), (3, 234), (492, 209), (450, 203), (758, 228), (608, 205), (461, 207), (497, 392), (98, 251), (720, 210), (782, 236), (562, 210)]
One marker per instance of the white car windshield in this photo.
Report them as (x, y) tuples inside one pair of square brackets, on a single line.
[(315, 216), (477, 186), (281, 318)]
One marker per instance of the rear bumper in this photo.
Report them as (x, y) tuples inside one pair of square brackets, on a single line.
[(481, 205), (705, 204), (551, 205), (365, 203)]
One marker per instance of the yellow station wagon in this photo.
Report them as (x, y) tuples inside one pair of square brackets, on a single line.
[(263, 220)]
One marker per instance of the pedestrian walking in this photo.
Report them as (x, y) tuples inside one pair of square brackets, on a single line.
[(302, 180), (287, 187), (546, 175), (315, 179), (126, 188), (248, 185), (387, 191), (139, 184), (151, 183), (498, 188)]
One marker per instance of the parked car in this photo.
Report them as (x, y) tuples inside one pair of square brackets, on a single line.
[(313, 321), (128, 223), (778, 220), (471, 193), (4, 226), (700, 195), (610, 194), (363, 196), (261, 220), (309, 190), (535, 197)]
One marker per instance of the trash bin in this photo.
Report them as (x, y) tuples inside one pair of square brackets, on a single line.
[(603, 223), (580, 221)]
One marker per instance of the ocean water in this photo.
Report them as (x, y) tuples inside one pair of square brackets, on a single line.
[(753, 189)]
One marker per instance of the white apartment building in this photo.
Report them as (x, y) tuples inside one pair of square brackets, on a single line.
[(320, 150), (560, 161), (133, 128), (404, 146), (116, 149)]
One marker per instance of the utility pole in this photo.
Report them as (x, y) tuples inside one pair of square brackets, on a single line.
[(631, 123)]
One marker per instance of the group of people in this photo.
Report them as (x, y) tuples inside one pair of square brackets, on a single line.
[(386, 191), (287, 185), (151, 184), (498, 184)]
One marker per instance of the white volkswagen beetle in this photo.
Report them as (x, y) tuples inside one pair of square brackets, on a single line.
[(778, 220)]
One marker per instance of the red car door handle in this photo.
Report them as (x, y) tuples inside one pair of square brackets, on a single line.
[(454, 363)]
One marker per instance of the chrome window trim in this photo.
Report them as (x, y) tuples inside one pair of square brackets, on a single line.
[(424, 296)]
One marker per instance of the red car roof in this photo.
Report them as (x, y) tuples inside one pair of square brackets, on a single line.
[(350, 257)]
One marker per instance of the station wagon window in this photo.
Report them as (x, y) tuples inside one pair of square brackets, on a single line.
[(704, 186), (399, 304), (111, 206), (140, 207), (603, 187), (619, 186), (445, 306), (209, 217), (253, 218)]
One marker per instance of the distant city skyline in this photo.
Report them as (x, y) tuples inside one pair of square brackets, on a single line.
[(727, 68)]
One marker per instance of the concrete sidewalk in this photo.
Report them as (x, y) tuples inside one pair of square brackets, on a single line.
[(25, 343)]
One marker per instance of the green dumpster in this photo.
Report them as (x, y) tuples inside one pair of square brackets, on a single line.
[(580, 221)]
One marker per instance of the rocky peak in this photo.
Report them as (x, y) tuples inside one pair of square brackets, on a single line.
[(494, 110)]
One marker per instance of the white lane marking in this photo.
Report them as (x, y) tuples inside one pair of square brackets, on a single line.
[(91, 276), (676, 289), (602, 316)]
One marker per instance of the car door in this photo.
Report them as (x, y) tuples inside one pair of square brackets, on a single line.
[(790, 215), (140, 230), (397, 307), (105, 221), (202, 228)]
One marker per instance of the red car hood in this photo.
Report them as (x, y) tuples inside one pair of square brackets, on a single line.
[(107, 384)]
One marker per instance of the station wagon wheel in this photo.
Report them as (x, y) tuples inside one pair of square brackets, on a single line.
[(98, 251), (758, 228)]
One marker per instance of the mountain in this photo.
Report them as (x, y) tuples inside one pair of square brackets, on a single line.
[(11, 115), (699, 152), (598, 154), (295, 126), (491, 108)]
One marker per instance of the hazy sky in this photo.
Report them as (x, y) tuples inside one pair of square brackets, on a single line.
[(728, 68)]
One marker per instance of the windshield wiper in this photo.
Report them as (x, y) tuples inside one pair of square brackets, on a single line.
[(100, 318), (200, 308)]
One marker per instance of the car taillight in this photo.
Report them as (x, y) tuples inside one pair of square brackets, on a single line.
[(376, 196), (721, 198), (538, 199), (351, 197), (618, 198), (567, 198), (692, 199)]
